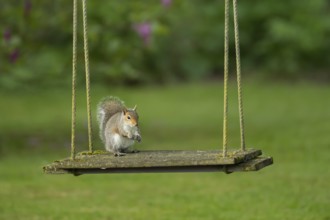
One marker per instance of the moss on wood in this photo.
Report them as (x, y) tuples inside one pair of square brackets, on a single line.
[(161, 160)]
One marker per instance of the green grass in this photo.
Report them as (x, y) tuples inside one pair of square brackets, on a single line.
[(289, 122)]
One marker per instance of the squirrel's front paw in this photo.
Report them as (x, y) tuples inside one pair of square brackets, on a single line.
[(138, 138)]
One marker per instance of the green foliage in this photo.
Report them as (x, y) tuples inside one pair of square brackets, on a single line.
[(185, 43), (286, 39)]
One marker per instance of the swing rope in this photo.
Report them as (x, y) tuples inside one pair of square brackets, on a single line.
[(88, 96), (225, 83), (74, 76), (238, 72), (239, 83)]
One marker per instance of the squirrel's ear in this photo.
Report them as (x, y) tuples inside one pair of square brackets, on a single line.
[(124, 111), (134, 109)]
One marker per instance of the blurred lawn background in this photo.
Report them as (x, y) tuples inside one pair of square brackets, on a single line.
[(167, 57)]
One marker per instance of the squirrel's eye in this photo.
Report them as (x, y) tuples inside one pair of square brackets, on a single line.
[(128, 117)]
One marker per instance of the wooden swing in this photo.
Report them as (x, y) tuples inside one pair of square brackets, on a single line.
[(92, 162)]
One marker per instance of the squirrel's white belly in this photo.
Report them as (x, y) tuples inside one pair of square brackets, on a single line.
[(118, 143)]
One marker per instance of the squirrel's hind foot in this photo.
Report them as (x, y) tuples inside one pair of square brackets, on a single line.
[(119, 154), (123, 152)]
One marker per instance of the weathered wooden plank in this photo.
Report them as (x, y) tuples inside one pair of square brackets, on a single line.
[(252, 165), (152, 159), (158, 159)]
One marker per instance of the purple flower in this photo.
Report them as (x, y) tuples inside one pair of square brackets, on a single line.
[(13, 56), (7, 35), (166, 3), (27, 7), (144, 31)]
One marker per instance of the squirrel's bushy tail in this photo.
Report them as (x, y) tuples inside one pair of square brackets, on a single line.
[(106, 108)]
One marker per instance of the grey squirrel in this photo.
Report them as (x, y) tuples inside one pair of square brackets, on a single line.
[(118, 125)]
